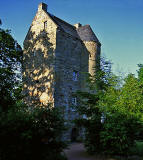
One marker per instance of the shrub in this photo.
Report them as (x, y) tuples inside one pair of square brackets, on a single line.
[(137, 149), (32, 134), (119, 133), (92, 135)]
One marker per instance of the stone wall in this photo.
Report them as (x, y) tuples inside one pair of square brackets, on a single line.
[(71, 56), (68, 60), (52, 56), (39, 60), (94, 55)]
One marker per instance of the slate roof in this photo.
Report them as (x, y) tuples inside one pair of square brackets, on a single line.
[(84, 33), (66, 27)]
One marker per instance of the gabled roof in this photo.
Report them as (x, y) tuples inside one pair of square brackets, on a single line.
[(66, 27), (83, 33)]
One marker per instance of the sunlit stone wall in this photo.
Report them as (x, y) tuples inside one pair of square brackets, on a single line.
[(39, 61)]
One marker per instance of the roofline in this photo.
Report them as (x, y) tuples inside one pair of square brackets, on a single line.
[(61, 20)]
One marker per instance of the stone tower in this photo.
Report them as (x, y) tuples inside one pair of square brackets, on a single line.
[(56, 54)]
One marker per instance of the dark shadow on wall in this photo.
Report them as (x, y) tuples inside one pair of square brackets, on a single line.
[(38, 69), (71, 55), (47, 80), (40, 72)]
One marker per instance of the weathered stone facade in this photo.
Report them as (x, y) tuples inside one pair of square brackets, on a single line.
[(56, 54)]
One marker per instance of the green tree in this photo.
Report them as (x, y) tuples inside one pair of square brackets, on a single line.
[(122, 107), (119, 104), (26, 133), (89, 109), (10, 65), (31, 134)]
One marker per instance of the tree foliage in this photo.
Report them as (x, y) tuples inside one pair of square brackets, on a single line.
[(10, 65), (25, 133), (123, 124), (89, 109), (31, 134), (113, 108)]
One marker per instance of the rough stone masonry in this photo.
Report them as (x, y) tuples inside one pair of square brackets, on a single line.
[(56, 56)]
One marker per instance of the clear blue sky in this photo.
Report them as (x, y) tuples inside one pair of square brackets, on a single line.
[(117, 23)]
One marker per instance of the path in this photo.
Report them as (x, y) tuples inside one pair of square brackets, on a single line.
[(76, 151)]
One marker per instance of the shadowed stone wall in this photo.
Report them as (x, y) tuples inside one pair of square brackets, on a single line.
[(68, 60), (39, 61)]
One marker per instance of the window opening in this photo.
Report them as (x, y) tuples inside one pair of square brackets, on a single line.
[(75, 76), (37, 81), (34, 52), (74, 101), (45, 25)]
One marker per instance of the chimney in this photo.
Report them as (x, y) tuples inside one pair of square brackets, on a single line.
[(42, 6), (77, 25)]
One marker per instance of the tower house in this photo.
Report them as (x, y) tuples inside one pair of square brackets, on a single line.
[(56, 54)]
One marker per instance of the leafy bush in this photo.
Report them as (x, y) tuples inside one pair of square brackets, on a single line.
[(119, 133), (92, 136), (137, 149), (123, 111), (120, 102), (34, 134)]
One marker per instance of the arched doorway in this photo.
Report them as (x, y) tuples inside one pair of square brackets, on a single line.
[(74, 134)]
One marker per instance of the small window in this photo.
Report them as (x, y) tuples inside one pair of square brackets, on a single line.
[(37, 81), (45, 25), (74, 104), (74, 101), (75, 76), (34, 52)]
